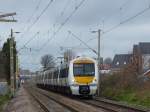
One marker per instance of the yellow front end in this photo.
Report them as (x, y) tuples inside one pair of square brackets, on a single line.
[(84, 81)]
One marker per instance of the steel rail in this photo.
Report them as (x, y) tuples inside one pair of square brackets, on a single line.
[(43, 107), (114, 103), (71, 104)]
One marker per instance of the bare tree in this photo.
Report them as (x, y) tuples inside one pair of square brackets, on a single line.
[(47, 61), (108, 61)]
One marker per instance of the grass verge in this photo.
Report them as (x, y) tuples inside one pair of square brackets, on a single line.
[(4, 99), (137, 98)]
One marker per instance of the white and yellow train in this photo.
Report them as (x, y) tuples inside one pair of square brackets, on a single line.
[(79, 77)]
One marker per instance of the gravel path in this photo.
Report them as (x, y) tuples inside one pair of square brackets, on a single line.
[(22, 102)]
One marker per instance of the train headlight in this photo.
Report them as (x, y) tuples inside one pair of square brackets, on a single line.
[(94, 80), (73, 80)]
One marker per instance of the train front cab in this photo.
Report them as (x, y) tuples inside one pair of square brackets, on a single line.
[(84, 75)]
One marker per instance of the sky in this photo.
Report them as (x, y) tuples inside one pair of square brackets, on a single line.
[(47, 33)]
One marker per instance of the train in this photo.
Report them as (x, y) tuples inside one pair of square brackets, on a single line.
[(79, 77)]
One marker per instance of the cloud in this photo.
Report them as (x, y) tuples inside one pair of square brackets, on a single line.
[(93, 14)]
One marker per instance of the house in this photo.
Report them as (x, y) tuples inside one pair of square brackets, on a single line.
[(141, 56), (105, 68), (120, 61)]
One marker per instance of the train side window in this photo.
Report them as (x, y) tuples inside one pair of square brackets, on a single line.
[(49, 75), (61, 73), (64, 73), (67, 69), (55, 75)]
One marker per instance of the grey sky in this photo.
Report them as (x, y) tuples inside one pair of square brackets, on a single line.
[(92, 14)]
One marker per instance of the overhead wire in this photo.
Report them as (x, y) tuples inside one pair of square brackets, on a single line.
[(114, 27), (38, 17), (68, 18), (118, 25), (32, 15), (62, 12), (28, 41), (66, 37), (35, 10), (123, 22), (82, 42), (120, 7), (127, 20), (105, 32), (62, 24)]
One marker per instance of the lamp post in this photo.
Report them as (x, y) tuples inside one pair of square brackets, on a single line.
[(98, 59)]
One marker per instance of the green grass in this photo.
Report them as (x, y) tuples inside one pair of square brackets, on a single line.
[(3, 100), (141, 98)]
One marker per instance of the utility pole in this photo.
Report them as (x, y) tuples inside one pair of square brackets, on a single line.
[(99, 63), (98, 59), (12, 75)]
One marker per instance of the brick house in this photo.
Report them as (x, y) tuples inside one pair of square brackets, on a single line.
[(141, 56)]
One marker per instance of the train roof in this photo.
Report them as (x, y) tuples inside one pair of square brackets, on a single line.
[(83, 58)]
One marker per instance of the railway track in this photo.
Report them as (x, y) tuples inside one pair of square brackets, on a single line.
[(83, 105), (45, 103), (113, 107), (41, 104), (121, 105), (69, 104)]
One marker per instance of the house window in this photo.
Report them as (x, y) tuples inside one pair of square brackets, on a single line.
[(117, 63)]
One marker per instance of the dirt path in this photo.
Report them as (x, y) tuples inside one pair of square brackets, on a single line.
[(22, 102)]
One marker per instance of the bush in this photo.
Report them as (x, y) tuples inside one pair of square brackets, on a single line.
[(3, 100), (126, 85)]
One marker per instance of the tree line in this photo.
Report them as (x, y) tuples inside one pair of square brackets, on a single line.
[(5, 60)]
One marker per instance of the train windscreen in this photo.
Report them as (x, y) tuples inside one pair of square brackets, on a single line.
[(86, 69)]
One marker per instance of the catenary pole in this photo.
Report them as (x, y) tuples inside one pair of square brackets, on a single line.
[(98, 60), (12, 75), (99, 63)]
